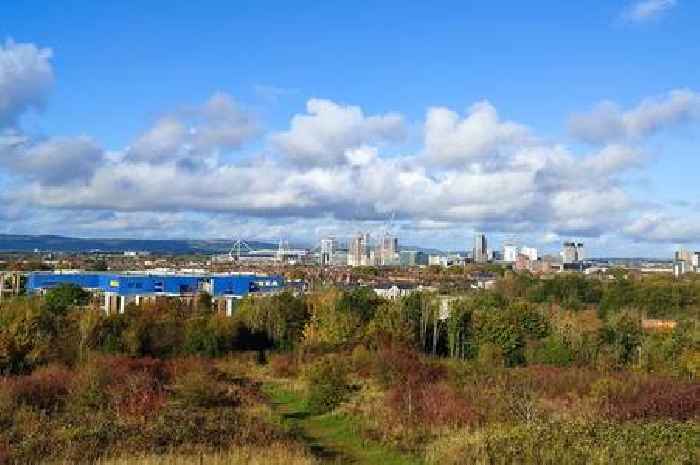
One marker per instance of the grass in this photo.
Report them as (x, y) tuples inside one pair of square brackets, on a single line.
[(273, 454), (333, 438)]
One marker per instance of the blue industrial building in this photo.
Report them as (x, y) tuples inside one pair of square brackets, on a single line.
[(122, 288)]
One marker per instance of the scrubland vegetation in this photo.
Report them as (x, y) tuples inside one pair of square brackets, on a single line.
[(535, 371)]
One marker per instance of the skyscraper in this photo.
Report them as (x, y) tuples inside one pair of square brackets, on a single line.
[(329, 246), (388, 251), (480, 253), (572, 252), (359, 251), (510, 252)]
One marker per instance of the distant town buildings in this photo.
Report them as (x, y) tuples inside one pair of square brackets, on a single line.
[(394, 291), (388, 251), (446, 260), (572, 252), (480, 252), (359, 251), (412, 258), (329, 247), (510, 252), (530, 252), (686, 261)]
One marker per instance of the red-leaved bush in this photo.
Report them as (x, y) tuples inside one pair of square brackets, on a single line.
[(284, 365), (46, 389), (440, 405), (5, 457), (417, 392), (555, 382), (658, 399)]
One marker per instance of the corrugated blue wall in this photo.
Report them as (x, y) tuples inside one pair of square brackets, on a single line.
[(234, 285)]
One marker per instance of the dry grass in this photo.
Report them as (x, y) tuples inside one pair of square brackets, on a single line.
[(274, 454)]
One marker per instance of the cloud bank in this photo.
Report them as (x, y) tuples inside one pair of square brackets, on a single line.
[(209, 168)]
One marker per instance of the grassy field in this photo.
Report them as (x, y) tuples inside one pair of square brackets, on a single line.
[(332, 438), (274, 454)]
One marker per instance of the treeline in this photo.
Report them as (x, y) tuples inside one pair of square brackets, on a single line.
[(661, 296), (568, 320)]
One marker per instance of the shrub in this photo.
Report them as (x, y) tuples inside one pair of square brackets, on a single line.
[(440, 405), (199, 387), (551, 350), (46, 389), (661, 398), (7, 403), (362, 361), (490, 355), (409, 378), (572, 444), (328, 385), (284, 365)]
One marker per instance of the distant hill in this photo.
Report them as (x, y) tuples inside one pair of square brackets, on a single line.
[(50, 243)]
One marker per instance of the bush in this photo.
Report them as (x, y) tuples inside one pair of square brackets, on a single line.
[(199, 387), (551, 350), (45, 389), (572, 444), (647, 399), (362, 361), (327, 385), (284, 365), (440, 405), (7, 403)]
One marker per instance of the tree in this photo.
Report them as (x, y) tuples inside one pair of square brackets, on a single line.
[(64, 296), (459, 330), (328, 385), (204, 303), (281, 317), (391, 325), (330, 324)]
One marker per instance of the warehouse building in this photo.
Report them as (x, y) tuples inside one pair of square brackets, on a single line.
[(118, 290)]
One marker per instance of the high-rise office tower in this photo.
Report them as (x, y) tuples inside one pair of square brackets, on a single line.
[(480, 253), (388, 250), (572, 252), (329, 246), (359, 253)]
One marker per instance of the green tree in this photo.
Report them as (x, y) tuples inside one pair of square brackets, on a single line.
[(327, 385), (64, 296)]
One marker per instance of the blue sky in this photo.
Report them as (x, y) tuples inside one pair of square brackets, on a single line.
[(120, 72)]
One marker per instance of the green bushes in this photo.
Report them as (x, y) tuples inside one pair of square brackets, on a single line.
[(571, 443), (327, 385), (64, 296), (552, 350)]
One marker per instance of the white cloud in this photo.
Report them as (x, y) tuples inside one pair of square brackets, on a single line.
[(329, 130), (608, 122), (663, 227), (26, 77), (53, 161), (196, 133), (644, 10), (518, 194), (452, 141)]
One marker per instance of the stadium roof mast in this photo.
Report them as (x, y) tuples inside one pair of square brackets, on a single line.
[(235, 252)]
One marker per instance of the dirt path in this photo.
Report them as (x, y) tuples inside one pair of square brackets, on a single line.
[(333, 439)]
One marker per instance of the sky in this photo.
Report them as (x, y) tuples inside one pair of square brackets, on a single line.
[(536, 122)]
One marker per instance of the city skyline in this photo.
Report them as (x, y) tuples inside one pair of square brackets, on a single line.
[(542, 122)]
